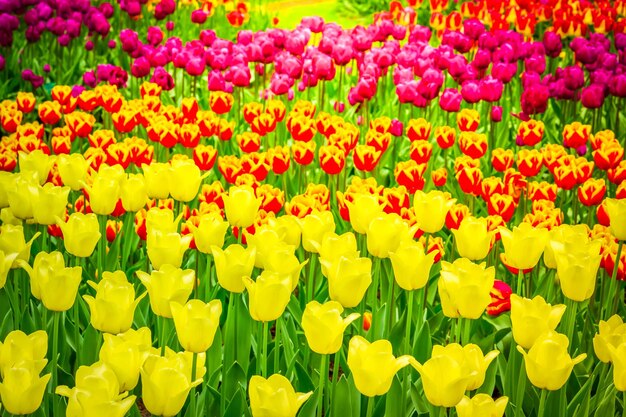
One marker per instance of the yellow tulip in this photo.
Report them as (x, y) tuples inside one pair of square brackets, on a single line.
[(411, 266), (616, 209), (166, 382), (464, 288), (348, 279), (96, 393), (134, 192), (531, 318), (363, 210), (210, 232), (618, 358), (5, 266), (162, 220), (548, 364), (43, 265), (333, 247), (266, 241), (323, 326), (314, 227), (523, 245), (477, 363), (157, 176), (73, 170), (105, 190), (19, 347), (385, 234), (49, 202), (481, 405), (274, 397), (373, 365), (59, 288), (12, 242), (113, 308), (166, 248), (431, 209), (7, 217), (269, 295), (289, 227), (577, 268), (125, 354), (38, 163), (21, 389), (81, 233), (611, 333), (472, 238), (185, 178), (286, 262), (196, 323), (20, 195), (232, 265), (241, 206), (567, 235), (445, 376), (169, 284), (7, 180)]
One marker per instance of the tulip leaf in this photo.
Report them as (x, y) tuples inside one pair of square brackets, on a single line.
[(490, 380), (342, 404), (7, 324), (418, 398), (422, 344), (579, 405), (397, 331), (607, 406), (236, 406), (214, 354), (310, 406), (393, 403), (305, 384), (235, 377), (89, 347)]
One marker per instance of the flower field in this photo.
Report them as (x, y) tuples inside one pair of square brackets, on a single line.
[(206, 213)]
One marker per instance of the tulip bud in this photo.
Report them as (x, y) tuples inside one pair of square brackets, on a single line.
[(472, 238), (125, 354), (80, 234), (411, 267), (241, 206), (166, 248), (323, 326), (232, 265), (268, 295), (49, 202), (276, 394), (481, 405), (348, 279), (169, 284), (134, 192), (531, 318), (610, 333), (22, 389), (385, 234), (523, 245), (464, 288), (18, 347), (196, 323)]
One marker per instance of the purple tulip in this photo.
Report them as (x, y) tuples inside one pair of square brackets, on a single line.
[(199, 16), (140, 67), (470, 91), (552, 44), (89, 79), (491, 89), (155, 35), (534, 99), (162, 78), (496, 114), (617, 85), (592, 96), (216, 81)]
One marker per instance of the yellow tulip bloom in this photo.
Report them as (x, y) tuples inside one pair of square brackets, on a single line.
[(105, 190), (333, 247), (531, 318), (431, 209), (616, 209), (577, 268), (241, 206), (21, 389), (162, 220), (157, 176), (472, 238), (464, 288), (288, 226), (38, 163), (363, 210), (268, 295), (314, 227), (59, 288), (166, 248), (477, 363), (348, 279), (5, 266), (481, 405), (18, 347), (125, 354), (167, 285), (196, 323), (284, 261), (266, 241), (373, 365), (134, 192), (12, 242), (49, 202), (20, 195), (567, 235), (185, 178), (523, 245), (618, 358), (411, 266), (6, 181), (73, 169), (323, 326), (210, 231), (113, 308), (385, 234), (274, 397), (81, 233), (611, 333), (232, 265), (548, 364)]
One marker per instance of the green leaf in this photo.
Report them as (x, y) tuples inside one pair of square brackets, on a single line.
[(234, 379), (394, 399), (237, 404), (305, 384), (422, 344), (342, 399)]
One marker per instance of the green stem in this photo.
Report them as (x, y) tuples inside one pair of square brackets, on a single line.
[(55, 349), (572, 307), (373, 297), (520, 280), (614, 284), (390, 306), (409, 322), (76, 311), (370, 407), (542, 403), (322, 384), (264, 357), (102, 244), (192, 403), (162, 340), (277, 346)]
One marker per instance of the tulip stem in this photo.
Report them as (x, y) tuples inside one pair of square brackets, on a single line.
[(102, 245), (614, 284), (322, 384), (277, 346), (264, 357), (572, 307), (542, 403), (192, 403), (55, 348), (370, 407), (409, 321), (520, 280), (162, 340)]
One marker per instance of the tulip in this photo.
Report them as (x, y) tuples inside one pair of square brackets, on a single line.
[(268, 295), (274, 396), (20, 195), (113, 308), (161, 220), (232, 265), (373, 365), (18, 347), (548, 365), (314, 227), (289, 227), (616, 209), (445, 376), (464, 288), (348, 279), (73, 170), (577, 267), (104, 193), (49, 202), (523, 245), (266, 241), (157, 180), (611, 333), (5, 266), (210, 231), (134, 192), (473, 238), (97, 391), (21, 389), (385, 234), (166, 382), (196, 323), (477, 363), (481, 405), (38, 163), (169, 284), (323, 326), (125, 354), (12, 242), (618, 353), (58, 289), (567, 236), (43, 265), (411, 266), (335, 246), (363, 209), (166, 248), (241, 206), (80, 234), (185, 179)]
